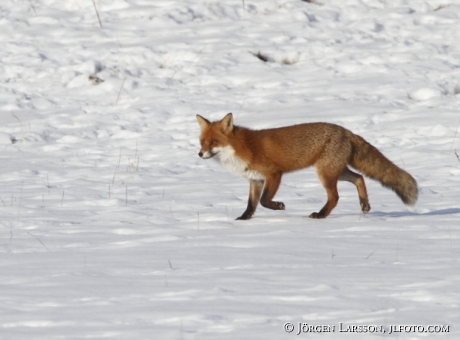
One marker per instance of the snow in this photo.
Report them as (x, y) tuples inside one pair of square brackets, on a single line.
[(111, 226)]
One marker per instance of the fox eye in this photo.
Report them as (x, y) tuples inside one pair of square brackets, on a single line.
[(213, 142)]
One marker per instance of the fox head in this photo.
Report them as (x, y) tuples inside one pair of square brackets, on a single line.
[(214, 135)]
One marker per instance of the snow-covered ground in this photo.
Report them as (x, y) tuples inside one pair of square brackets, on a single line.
[(112, 227)]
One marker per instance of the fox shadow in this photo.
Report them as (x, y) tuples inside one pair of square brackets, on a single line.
[(449, 211)]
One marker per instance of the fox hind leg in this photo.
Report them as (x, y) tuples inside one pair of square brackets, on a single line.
[(358, 181), (329, 182)]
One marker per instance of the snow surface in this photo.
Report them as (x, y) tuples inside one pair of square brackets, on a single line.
[(112, 227)]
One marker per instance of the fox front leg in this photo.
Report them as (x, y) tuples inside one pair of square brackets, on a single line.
[(272, 184), (255, 189)]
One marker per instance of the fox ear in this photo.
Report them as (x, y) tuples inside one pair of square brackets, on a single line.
[(203, 122), (227, 123)]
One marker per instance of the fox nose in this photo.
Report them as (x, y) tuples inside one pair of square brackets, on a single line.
[(200, 154)]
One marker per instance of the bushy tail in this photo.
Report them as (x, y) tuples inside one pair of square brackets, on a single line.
[(373, 164)]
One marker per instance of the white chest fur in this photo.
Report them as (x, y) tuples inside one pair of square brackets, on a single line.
[(226, 156)]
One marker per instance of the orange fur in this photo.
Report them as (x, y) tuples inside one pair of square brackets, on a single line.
[(262, 156)]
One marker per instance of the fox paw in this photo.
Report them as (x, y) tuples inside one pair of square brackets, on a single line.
[(243, 217), (316, 215), (273, 205), (365, 207), (279, 205)]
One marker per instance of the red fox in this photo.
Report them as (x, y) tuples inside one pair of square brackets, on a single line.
[(262, 156)]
